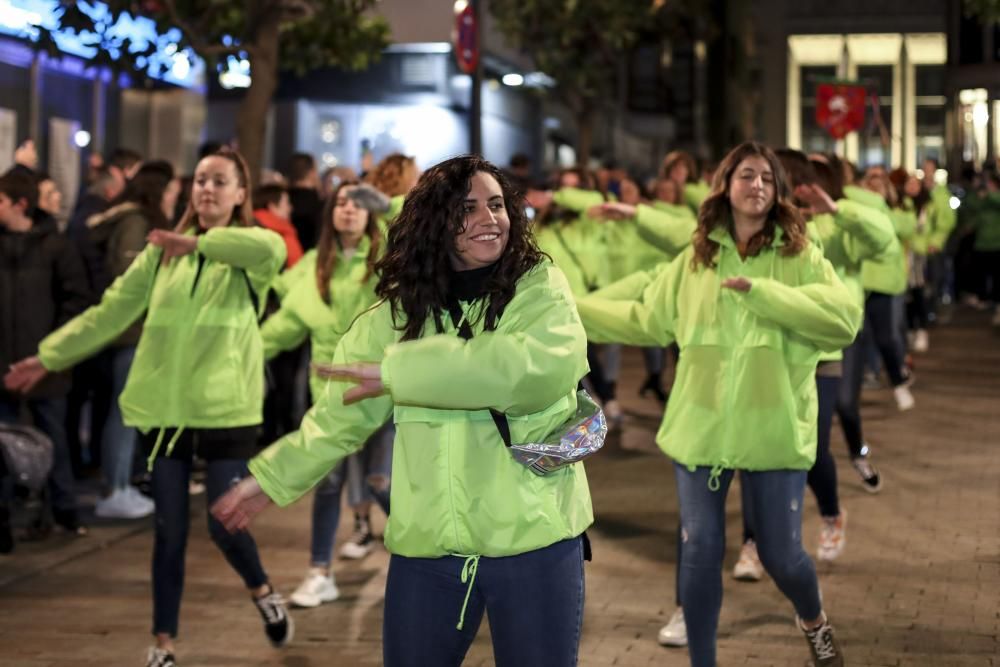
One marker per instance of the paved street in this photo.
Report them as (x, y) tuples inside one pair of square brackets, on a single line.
[(919, 583)]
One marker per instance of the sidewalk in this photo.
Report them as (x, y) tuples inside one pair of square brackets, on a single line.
[(918, 585)]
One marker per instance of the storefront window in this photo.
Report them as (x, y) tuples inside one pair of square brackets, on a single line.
[(974, 118), (875, 139), (930, 116)]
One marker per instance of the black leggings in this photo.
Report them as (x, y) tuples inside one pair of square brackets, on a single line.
[(879, 316)]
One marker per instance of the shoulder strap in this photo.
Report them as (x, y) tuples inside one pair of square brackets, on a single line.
[(465, 331), (254, 299)]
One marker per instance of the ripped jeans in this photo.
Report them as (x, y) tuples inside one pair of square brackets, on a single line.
[(776, 498)]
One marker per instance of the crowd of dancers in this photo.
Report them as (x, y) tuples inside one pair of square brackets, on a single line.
[(419, 303)]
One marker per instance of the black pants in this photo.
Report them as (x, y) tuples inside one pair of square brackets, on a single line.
[(988, 275), (881, 324), (849, 395)]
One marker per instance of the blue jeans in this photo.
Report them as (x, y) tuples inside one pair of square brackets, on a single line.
[(534, 601), (776, 506), (117, 440), (849, 395), (48, 416), (374, 459), (170, 492)]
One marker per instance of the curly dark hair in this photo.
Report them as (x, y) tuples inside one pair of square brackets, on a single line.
[(416, 269), (716, 210), (329, 244)]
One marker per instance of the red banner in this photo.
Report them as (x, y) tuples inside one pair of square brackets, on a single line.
[(840, 108), (466, 39)]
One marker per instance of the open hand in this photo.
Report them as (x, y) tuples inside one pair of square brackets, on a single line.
[(612, 210), (173, 244), (24, 375), (816, 199), (26, 155), (368, 377), (239, 505), (740, 284)]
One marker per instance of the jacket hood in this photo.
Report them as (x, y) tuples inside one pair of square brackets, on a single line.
[(111, 213)]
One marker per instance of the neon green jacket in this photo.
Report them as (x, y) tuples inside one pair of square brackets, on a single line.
[(745, 393), (199, 362), (455, 488), (987, 223), (887, 272), (941, 217), (304, 313), (284, 281), (695, 193)]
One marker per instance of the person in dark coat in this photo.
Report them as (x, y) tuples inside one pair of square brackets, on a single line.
[(42, 285)]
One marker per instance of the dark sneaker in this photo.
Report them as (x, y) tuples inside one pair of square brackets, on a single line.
[(823, 646), (69, 521), (871, 480), (158, 657), (6, 535), (278, 624)]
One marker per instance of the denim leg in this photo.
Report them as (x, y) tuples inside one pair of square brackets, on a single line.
[(170, 493), (822, 477), (326, 516), (117, 440), (357, 489), (849, 395), (612, 361), (655, 359), (777, 499), (539, 589), (423, 601), (703, 545), (239, 548), (50, 417)]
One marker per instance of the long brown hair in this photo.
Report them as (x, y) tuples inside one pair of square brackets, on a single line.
[(329, 243), (242, 214), (414, 275), (672, 158), (716, 210)]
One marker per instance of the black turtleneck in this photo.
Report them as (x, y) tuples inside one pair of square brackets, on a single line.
[(470, 285)]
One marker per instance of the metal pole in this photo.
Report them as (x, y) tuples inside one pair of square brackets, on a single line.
[(476, 99)]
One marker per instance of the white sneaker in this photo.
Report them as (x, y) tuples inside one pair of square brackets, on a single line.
[(613, 410), (674, 633), (315, 589), (920, 340), (832, 536), (123, 505), (904, 399), (361, 542), (748, 567)]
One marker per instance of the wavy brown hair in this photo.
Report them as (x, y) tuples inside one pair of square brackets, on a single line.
[(389, 175), (416, 269), (672, 158), (329, 243), (242, 214), (716, 210)]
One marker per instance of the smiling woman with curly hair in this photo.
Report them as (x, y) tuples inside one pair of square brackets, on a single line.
[(471, 531)]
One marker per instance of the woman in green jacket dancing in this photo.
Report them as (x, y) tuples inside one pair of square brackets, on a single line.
[(471, 530), (752, 304), (198, 374)]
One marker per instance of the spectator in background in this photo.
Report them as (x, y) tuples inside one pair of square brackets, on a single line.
[(42, 285), (120, 234), (519, 171), (394, 177), (273, 209), (303, 191), (49, 196)]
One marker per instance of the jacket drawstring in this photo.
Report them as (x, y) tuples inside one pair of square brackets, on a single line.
[(469, 569), (713, 479), (159, 440)]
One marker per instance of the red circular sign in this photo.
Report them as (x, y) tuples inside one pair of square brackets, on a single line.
[(466, 40)]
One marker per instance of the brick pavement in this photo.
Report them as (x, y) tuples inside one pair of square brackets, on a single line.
[(919, 583)]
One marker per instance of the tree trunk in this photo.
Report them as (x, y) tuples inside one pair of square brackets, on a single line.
[(251, 122), (584, 136)]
